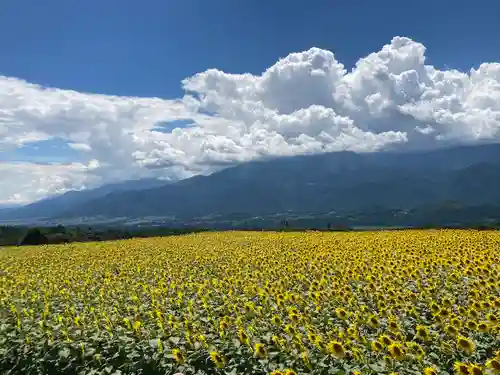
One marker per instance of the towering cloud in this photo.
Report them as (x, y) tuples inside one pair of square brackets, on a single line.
[(306, 103)]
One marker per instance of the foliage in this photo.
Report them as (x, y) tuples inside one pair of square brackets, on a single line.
[(34, 237), (10, 236), (408, 302)]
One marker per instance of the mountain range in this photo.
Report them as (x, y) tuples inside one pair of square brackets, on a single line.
[(58, 205), (459, 180)]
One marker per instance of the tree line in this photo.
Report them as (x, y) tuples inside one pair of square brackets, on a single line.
[(23, 236)]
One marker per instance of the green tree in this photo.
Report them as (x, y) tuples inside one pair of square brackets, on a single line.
[(34, 237)]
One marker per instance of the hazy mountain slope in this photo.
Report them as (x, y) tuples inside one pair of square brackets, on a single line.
[(344, 182), (54, 206)]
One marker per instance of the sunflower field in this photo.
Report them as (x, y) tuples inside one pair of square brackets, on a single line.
[(401, 302)]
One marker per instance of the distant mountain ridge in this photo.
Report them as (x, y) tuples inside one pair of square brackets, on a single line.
[(4, 206), (341, 183), (57, 205)]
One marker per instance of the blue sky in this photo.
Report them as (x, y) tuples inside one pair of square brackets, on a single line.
[(146, 48)]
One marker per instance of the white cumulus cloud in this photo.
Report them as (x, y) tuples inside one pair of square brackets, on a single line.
[(307, 102), (23, 182)]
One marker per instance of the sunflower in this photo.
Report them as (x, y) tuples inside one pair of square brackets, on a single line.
[(294, 317), (455, 322), (477, 305), (275, 340), (243, 337), (320, 345), (249, 307), (282, 343), (387, 360), (386, 340), (217, 359), (289, 372), (444, 313), (492, 318), (376, 346), (277, 372), (312, 337), (451, 330), (276, 320), (430, 371), (473, 312), (475, 369), (178, 356), (446, 348), (260, 351), (293, 310), (336, 349), (465, 344), (305, 357), (297, 345), (341, 313), (422, 333), (434, 307), (471, 325), (393, 325), (223, 325), (493, 366), (396, 351), (418, 350), (461, 368), (352, 332), (290, 330), (413, 313), (483, 327)]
